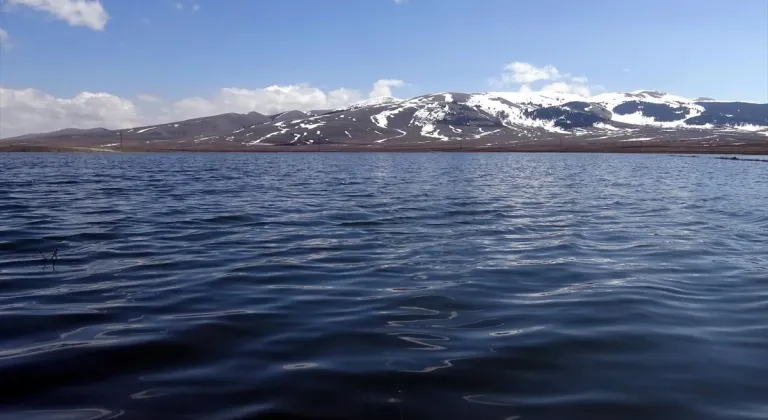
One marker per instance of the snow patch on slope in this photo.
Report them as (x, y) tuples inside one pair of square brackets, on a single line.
[(608, 127), (749, 127), (257, 141), (402, 134), (430, 130), (638, 118), (532, 100), (380, 100), (513, 114), (205, 138), (429, 114), (637, 139), (481, 135), (311, 126), (612, 100), (382, 119)]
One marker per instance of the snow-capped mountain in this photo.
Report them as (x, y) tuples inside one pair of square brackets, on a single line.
[(493, 119), (379, 100)]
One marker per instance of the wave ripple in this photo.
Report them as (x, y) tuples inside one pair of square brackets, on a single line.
[(314, 286)]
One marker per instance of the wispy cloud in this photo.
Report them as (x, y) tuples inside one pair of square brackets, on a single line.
[(384, 87), (87, 13), (5, 39), (145, 97), (187, 6), (524, 75)]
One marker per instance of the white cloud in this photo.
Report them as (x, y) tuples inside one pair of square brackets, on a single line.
[(275, 99), (270, 100), (384, 87), (580, 79), (29, 110), (88, 13), (525, 75), (148, 98), (5, 39), (563, 87)]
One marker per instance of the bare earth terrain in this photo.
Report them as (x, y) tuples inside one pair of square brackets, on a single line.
[(635, 122)]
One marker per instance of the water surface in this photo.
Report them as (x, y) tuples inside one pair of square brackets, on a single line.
[(383, 286)]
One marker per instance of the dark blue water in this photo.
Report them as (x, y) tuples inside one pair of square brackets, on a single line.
[(383, 286)]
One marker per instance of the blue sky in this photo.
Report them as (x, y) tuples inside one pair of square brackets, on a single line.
[(171, 51)]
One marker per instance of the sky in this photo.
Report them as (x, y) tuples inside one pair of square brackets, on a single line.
[(121, 63)]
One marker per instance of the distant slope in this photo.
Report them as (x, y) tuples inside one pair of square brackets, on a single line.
[(64, 132), (493, 119)]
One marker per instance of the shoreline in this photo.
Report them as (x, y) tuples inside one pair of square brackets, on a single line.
[(655, 149)]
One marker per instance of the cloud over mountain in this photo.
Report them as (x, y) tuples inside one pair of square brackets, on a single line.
[(31, 110), (523, 76)]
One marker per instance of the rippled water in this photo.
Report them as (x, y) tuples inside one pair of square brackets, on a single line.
[(383, 286)]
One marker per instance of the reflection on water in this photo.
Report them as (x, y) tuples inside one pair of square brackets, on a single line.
[(317, 286)]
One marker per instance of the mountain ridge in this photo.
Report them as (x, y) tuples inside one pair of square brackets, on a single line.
[(486, 119)]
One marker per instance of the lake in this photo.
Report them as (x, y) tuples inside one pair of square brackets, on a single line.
[(383, 286)]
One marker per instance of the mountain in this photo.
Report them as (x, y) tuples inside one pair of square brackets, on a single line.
[(495, 120), (66, 132)]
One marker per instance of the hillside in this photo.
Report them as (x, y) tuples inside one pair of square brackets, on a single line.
[(496, 120)]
